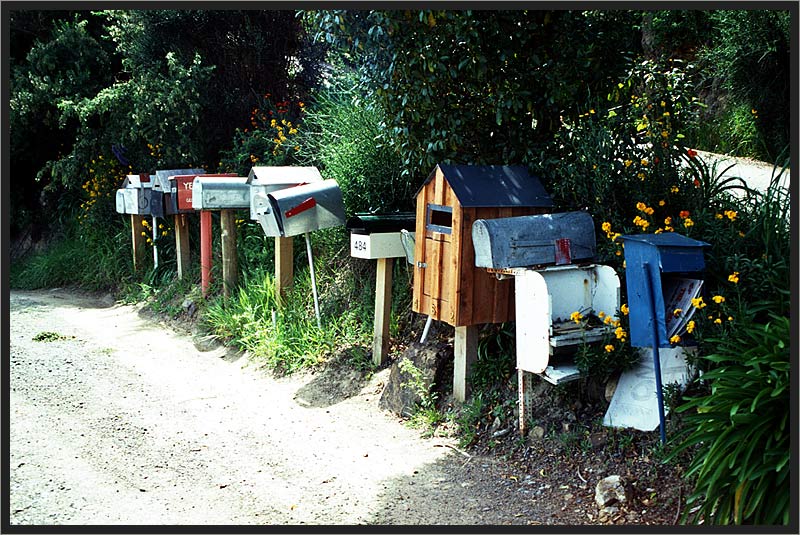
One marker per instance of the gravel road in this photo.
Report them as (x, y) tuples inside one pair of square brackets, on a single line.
[(115, 419)]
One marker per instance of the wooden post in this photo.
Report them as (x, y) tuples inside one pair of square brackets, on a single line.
[(284, 266), (230, 266), (182, 251), (525, 383), (383, 310), (138, 241), (205, 250), (466, 353)]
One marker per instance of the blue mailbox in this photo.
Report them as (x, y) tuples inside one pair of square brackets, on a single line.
[(671, 265), (663, 272)]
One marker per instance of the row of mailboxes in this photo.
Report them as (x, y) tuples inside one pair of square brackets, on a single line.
[(287, 201)]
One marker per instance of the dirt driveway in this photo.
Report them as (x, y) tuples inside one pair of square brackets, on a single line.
[(117, 420)]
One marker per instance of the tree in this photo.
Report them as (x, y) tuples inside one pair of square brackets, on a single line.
[(479, 86)]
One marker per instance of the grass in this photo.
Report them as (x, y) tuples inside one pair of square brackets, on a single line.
[(94, 260)]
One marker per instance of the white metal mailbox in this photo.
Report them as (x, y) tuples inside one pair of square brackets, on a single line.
[(300, 209), (135, 195), (264, 180), (220, 193), (376, 245), (545, 300), (374, 236)]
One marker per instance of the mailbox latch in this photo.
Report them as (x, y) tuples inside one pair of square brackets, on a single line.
[(422, 265)]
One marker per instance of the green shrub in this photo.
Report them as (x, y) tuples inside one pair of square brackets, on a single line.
[(741, 429), (342, 138)]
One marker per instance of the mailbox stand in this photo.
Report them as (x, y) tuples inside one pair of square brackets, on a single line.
[(205, 251), (182, 244), (379, 237), (137, 241)]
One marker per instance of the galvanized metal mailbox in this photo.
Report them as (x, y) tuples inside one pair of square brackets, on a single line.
[(301, 209), (447, 284), (265, 180), (171, 190), (375, 236), (662, 271), (554, 239), (220, 192), (135, 196)]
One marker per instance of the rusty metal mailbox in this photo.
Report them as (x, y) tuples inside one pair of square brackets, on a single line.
[(135, 195), (554, 239), (216, 192), (265, 180), (300, 209), (171, 190)]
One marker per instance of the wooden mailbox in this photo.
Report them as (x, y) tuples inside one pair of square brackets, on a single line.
[(447, 284)]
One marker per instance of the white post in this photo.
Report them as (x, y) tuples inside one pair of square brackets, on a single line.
[(313, 279)]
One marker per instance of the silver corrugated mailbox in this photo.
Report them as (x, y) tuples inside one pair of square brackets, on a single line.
[(135, 195), (264, 180), (300, 209), (545, 239), (169, 187), (220, 193)]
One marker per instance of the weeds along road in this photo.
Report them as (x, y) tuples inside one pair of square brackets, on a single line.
[(115, 419)]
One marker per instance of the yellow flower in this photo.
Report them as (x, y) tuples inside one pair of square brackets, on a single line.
[(668, 229), (718, 299), (677, 312), (661, 202), (730, 318), (624, 309), (717, 321), (628, 163), (675, 339), (606, 226), (731, 214), (620, 333), (697, 302), (665, 134), (719, 216), (674, 189), (609, 348), (649, 210), (601, 314), (163, 232), (161, 225), (734, 277), (688, 222), (641, 176), (645, 161), (663, 103), (576, 317), (144, 233), (690, 327), (641, 206)]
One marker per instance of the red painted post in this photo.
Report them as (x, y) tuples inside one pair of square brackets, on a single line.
[(205, 250)]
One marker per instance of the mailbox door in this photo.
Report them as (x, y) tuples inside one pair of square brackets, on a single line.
[(306, 208)]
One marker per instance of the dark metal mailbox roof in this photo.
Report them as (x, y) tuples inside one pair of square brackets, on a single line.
[(494, 186), (368, 223)]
